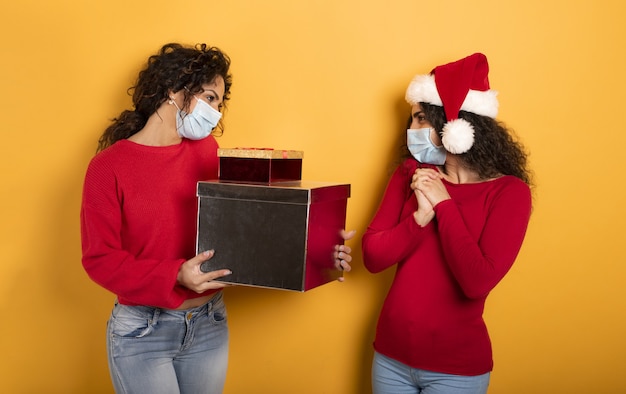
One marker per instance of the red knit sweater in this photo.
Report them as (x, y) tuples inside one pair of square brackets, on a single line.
[(138, 218), (432, 316)]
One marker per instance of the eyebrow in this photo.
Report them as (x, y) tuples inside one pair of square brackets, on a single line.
[(416, 113), (217, 96)]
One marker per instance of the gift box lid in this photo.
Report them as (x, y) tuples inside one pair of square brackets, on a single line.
[(260, 153), (294, 192)]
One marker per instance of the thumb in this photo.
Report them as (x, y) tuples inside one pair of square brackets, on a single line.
[(346, 235), (204, 256)]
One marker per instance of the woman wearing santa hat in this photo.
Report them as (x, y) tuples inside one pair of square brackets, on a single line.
[(452, 221)]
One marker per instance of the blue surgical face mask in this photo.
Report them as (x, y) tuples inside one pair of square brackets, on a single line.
[(199, 123), (422, 148)]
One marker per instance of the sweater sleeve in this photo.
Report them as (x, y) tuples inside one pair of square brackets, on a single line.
[(393, 233), (106, 258), (478, 265)]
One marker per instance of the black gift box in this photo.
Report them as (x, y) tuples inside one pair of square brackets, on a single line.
[(279, 235)]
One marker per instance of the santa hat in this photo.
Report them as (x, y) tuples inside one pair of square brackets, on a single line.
[(461, 85)]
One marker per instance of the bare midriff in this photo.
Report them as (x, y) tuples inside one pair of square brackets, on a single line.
[(195, 302)]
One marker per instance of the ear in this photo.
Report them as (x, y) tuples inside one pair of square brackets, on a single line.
[(177, 98)]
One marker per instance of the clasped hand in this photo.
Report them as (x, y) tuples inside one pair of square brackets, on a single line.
[(429, 191)]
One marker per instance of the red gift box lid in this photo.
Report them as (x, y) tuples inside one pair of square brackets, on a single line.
[(260, 153)]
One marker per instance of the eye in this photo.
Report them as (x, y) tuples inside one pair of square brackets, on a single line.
[(419, 116)]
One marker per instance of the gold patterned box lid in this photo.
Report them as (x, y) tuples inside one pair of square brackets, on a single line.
[(260, 153)]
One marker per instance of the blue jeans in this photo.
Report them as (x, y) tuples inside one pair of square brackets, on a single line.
[(153, 350), (393, 377)]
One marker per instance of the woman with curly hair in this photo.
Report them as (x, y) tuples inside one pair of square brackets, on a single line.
[(167, 332), (452, 220)]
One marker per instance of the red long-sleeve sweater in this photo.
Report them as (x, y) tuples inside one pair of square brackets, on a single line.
[(432, 316), (138, 218)]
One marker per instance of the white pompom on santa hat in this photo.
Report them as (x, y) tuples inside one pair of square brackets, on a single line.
[(462, 85)]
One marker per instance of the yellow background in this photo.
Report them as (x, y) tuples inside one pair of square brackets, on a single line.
[(326, 77)]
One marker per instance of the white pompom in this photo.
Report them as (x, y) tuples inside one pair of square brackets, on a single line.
[(458, 136)]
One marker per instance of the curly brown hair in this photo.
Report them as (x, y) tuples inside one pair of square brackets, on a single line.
[(496, 150), (173, 68)]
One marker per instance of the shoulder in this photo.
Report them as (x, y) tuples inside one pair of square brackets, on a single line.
[(118, 150), (120, 155), (409, 165), (204, 143), (206, 147), (108, 156), (512, 189), (511, 182)]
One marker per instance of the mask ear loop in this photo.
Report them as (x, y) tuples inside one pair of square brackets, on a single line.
[(431, 129), (189, 91), (172, 102)]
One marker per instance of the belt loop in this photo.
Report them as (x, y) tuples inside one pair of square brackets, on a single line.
[(209, 306), (211, 303), (155, 315)]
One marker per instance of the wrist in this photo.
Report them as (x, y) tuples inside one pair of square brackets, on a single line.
[(179, 275), (423, 218), (441, 201)]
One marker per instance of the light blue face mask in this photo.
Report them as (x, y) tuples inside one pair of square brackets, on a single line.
[(422, 148), (199, 123)]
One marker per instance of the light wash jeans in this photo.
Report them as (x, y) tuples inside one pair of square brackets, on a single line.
[(393, 377), (153, 350)]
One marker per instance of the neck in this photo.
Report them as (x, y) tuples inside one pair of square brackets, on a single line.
[(160, 129), (455, 172)]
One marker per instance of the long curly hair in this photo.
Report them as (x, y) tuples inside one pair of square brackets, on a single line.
[(496, 149), (173, 68)]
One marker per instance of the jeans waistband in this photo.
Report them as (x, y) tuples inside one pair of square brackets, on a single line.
[(202, 309), (153, 313)]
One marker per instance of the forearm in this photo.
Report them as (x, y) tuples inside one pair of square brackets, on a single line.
[(145, 281), (479, 261), (383, 248)]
